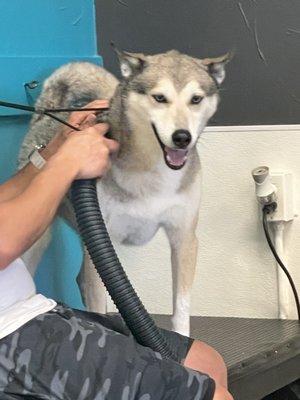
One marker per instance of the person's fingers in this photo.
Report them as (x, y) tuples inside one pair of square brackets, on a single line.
[(77, 117), (112, 145), (101, 128), (90, 120), (97, 104)]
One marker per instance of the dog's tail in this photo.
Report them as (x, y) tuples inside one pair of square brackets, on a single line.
[(72, 85)]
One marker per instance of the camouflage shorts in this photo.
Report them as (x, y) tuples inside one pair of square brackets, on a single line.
[(74, 355)]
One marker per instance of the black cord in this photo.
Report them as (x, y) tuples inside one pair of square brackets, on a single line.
[(266, 210), (74, 109), (49, 111), (18, 106), (61, 121), (45, 110)]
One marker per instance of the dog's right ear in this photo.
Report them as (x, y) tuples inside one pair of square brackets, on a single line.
[(216, 66), (130, 63)]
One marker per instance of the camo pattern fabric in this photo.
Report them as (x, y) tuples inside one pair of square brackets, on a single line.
[(75, 355)]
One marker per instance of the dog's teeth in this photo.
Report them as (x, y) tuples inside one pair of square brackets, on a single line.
[(169, 159)]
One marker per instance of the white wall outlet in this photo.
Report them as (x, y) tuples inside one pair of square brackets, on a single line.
[(285, 202)]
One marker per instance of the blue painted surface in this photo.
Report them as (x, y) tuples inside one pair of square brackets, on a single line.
[(41, 36), (56, 275), (18, 71), (47, 28)]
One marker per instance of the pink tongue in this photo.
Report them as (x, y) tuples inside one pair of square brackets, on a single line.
[(176, 157)]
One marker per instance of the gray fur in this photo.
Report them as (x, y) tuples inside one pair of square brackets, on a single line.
[(71, 85)]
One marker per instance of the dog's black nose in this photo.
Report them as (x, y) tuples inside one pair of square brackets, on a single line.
[(182, 138)]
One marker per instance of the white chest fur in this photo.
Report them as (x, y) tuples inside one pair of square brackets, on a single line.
[(135, 205)]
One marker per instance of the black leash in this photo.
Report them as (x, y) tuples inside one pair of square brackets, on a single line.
[(49, 111)]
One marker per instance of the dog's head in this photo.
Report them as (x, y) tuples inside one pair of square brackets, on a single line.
[(174, 94)]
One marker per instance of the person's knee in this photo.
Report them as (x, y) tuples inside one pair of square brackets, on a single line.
[(204, 358), (222, 394)]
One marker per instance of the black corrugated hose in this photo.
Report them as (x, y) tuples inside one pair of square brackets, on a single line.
[(95, 236)]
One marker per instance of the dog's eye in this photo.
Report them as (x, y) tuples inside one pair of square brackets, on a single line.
[(160, 98), (196, 99)]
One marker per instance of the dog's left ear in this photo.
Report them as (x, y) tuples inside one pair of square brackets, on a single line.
[(216, 66), (130, 63)]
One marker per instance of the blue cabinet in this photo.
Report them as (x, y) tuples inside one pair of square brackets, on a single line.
[(37, 36)]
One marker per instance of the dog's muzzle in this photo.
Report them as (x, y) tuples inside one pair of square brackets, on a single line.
[(175, 158)]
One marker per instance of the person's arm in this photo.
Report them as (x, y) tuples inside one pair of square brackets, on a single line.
[(25, 217), (19, 182)]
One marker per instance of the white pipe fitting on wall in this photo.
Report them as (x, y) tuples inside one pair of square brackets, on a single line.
[(277, 187)]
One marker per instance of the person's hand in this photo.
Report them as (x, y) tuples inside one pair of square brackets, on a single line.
[(88, 151), (83, 119), (79, 119)]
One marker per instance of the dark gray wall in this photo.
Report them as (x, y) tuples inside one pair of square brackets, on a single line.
[(263, 79)]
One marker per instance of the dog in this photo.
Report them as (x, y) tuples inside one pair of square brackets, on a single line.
[(157, 112)]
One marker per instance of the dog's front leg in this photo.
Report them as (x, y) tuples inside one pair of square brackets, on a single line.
[(92, 289), (184, 247)]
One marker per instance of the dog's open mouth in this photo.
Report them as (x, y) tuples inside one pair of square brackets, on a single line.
[(174, 158)]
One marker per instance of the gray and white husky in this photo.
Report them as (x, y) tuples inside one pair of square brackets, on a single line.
[(157, 112)]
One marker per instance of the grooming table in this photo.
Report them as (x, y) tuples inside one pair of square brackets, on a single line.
[(262, 355)]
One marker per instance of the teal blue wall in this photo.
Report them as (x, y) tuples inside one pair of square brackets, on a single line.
[(37, 37)]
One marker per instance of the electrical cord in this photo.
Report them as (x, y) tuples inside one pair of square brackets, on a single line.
[(267, 209)]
